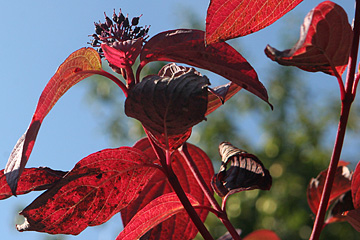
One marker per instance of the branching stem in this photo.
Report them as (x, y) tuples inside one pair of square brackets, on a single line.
[(350, 90), (208, 193)]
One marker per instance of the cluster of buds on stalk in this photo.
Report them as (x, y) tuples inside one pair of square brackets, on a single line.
[(119, 29), (119, 38)]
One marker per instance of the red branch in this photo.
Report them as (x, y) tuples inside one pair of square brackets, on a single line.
[(345, 110)]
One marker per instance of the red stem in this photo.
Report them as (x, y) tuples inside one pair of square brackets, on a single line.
[(175, 184), (345, 110), (110, 76), (208, 193)]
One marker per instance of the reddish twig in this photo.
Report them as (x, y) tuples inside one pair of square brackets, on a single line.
[(208, 193), (345, 110)]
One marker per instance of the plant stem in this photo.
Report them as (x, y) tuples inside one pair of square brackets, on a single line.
[(175, 184), (208, 193), (345, 110)]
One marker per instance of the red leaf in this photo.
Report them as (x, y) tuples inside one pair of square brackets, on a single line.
[(221, 95), (157, 211), (179, 225), (324, 44), (124, 53), (230, 19), (32, 179), (262, 234), (188, 46), (98, 187), (355, 187), (342, 184), (67, 75)]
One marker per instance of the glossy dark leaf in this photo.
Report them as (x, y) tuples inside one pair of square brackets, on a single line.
[(32, 179), (230, 19), (324, 44), (180, 224), (342, 184), (169, 104), (262, 234), (157, 211), (246, 172), (188, 46), (68, 74), (339, 209), (98, 187)]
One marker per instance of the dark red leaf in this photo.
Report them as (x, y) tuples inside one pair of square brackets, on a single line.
[(262, 234), (179, 225), (98, 187), (66, 76), (230, 19), (157, 211), (353, 217), (340, 208), (324, 44), (32, 179), (246, 172), (342, 184), (355, 187), (188, 46), (169, 104)]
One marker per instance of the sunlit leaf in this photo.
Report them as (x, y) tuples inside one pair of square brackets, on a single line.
[(67, 75), (188, 46), (342, 184), (32, 179), (246, 172), (180, 224), (223, 93), (230, 19), (262, 234), (324, 44), (98, 187), (169, 104), (157, 211)]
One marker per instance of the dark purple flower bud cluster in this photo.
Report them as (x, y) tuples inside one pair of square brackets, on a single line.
[(118, 29)]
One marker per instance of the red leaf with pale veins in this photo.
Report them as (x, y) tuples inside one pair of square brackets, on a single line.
[(230, 19), (262, 234), (157, 211), (32, 179), (355, 187), (180, 224), (342, 184), (188, 46), (66, 76), (324, 44), (98, 187)]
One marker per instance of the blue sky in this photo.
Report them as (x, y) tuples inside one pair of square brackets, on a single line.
[(36, 38)]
